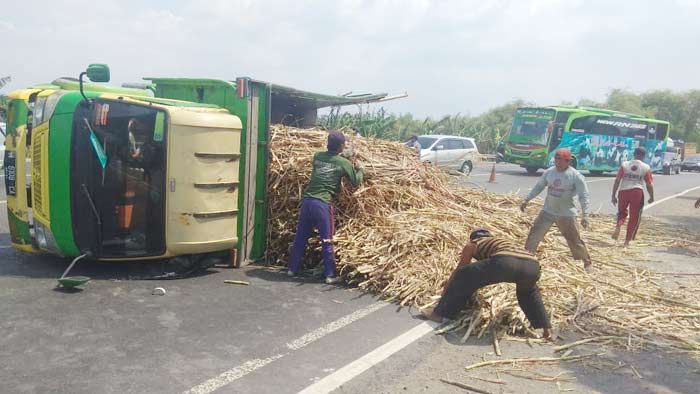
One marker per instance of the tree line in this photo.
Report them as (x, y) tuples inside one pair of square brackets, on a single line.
[(682, 109)]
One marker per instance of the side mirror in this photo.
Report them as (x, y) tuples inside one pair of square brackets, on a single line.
[(98, 72)]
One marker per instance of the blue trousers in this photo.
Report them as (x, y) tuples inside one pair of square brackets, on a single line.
[(314, 213)]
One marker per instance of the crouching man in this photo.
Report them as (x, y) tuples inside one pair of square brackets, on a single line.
[(498, 260)]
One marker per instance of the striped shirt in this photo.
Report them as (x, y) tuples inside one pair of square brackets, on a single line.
[(487, 247)]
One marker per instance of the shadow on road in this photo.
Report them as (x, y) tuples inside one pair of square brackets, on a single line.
[(19, 264)]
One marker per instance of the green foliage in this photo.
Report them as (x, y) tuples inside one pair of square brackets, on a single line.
[(3, 107), (487, 129), (376, 124), (3, 99)]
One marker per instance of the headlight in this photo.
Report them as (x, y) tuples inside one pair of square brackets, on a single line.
[(38, 111), (44, 108), (40, 236), (50, 106)]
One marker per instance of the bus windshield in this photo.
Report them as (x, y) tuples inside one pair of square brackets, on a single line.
[(532, 126)]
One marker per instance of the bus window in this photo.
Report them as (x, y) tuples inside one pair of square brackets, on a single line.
[(562, 117), (660, 131), (617, 127)]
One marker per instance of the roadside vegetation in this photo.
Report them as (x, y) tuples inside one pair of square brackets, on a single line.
[(682, 109)]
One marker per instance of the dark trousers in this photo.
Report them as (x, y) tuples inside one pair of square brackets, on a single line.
[(468, 279), (314, 213)]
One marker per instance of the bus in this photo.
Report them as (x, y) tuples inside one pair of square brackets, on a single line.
[(598, 139)]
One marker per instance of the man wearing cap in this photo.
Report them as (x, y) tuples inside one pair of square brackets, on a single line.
[(316, 210), (499, 260), (630, 180), (563, 182)]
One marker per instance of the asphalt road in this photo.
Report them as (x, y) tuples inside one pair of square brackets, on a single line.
[(669, 206), (274, 336)]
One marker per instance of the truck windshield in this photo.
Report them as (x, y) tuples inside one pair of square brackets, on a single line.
[(118, 155)]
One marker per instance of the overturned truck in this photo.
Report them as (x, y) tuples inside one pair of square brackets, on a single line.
[(176, 167)]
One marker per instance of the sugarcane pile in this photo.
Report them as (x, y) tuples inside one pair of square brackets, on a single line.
[(401, 232)]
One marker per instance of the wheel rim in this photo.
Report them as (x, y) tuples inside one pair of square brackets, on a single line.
[(466, 168)]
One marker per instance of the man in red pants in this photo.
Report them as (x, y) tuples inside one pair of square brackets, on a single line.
[(631, 178)]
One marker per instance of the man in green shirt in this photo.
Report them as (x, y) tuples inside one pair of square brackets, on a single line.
[(316, 211)]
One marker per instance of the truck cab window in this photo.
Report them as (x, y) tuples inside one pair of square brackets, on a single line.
[(128, 190)]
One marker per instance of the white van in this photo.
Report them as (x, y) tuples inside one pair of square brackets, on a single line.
[(449, 151)]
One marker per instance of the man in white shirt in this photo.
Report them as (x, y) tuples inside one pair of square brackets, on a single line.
[(631, 178), (563, 182)]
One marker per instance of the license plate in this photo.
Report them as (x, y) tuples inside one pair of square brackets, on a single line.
[(10, 173)]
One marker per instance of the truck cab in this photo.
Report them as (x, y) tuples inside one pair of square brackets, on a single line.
[(120, 177)]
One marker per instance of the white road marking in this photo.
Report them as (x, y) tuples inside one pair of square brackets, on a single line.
[(231, 375), (600, 180), (5, 246), (334, 326), (355, 368), (244, 369), (3, 202), (670, 197)]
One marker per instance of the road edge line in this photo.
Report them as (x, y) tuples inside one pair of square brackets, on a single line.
[(670, 197), (362, 364)]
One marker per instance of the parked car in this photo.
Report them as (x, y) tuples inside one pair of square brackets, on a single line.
[(448, 151), (672, 163), (691, 164)]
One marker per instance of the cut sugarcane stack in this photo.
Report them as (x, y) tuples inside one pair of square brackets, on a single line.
[(401, 232)]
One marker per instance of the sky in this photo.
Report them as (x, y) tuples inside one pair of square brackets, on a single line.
[(449, 56)]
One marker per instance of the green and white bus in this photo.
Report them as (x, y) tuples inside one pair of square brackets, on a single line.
[(598, 139)]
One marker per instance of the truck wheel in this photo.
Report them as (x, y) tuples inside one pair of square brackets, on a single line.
[(596, 172), (531, 170)]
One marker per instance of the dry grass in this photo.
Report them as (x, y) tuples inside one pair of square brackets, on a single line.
[(401, 232)]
